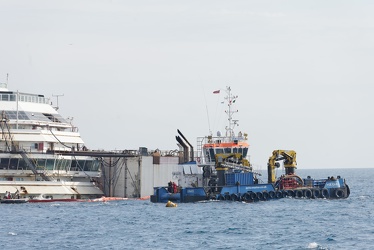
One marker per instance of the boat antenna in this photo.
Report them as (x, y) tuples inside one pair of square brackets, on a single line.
[(57, 96), (207, 112)]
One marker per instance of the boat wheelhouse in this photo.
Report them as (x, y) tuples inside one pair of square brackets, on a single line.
[(229, 143)]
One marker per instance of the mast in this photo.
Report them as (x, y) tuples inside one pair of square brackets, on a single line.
[(232, 123)]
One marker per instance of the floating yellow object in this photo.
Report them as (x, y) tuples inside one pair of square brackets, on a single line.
[(171, 204)]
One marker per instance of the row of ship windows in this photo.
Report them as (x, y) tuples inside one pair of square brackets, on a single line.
[(12, 179), (50, 164), (213, 151), (23, 98), (22, 115)]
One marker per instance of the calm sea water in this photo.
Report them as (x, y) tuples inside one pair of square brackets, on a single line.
[(278, 224)]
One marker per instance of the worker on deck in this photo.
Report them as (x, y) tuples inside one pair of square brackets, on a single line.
[(175, 188), (170, 187)]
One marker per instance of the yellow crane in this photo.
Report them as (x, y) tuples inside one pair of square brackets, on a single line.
[(289, 160)]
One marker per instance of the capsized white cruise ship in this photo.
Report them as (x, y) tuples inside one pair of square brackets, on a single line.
[(42, 153)]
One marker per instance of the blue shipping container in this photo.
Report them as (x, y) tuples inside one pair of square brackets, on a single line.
[(242, 178)]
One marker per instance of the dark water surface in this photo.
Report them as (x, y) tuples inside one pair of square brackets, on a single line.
[(278, 224)]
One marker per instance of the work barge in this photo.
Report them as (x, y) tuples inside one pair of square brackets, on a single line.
[(228, 175)]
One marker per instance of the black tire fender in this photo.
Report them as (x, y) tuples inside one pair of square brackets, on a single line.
[(308, 193), (234, 197), (316, 193), (253, 195), (299, 193), (279, 194), (339, 193), (246, 197), (325, 193), (228, 197), (271, 194), (291, 193)]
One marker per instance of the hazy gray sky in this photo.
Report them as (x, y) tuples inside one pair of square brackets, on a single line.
[(133, 72)]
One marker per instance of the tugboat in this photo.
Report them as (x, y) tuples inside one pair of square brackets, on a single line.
[(227, 173)]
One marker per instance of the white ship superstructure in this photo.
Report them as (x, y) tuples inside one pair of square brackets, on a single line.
[(42, 153)]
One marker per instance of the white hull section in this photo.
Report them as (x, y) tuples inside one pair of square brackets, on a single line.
[(49, 189)]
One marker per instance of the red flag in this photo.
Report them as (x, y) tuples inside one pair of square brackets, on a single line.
[(216, 92)]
